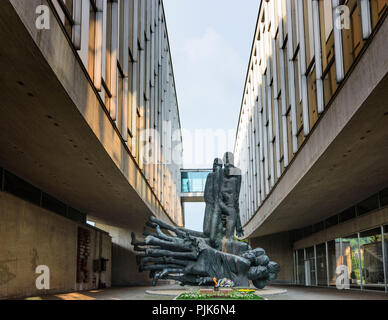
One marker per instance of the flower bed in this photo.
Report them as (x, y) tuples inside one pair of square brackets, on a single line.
[(220, 295)]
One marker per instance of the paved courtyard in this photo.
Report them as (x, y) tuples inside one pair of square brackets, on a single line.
[(293, 293)]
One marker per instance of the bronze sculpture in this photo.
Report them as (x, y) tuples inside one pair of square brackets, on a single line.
[(195, 258)]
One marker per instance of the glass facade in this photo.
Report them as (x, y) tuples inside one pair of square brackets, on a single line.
[(372, 264), (321, 264), (350, 257), (372, 203), (301, 275), (334, 259), (309, 265), (364, 254)]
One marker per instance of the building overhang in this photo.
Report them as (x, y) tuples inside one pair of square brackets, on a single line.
[(55, 132)]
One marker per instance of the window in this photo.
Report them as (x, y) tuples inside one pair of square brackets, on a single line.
[(301, 269), (76, 215), (386, 249), (327, 44), (383, 198), (321, 265), (334, 259), (370, 204), (310, 267), (52, 204), (347, 214), (307, 231), (332, 221), (92, 38), (64, 9), (21, 188), (312, 97), (318, 227), (351, 258), (352, 38), (372, 258), (309, 30), (378, 8)]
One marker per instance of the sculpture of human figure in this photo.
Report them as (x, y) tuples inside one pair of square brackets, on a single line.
[(211, 193), (229, 197)]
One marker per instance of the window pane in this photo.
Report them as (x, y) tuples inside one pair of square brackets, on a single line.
[(318, 227), (352, 36), (332, 221), (21, 188), (384, 198), (301, 271), (53, 204), (347, 214), (372, 258), (351, 259), (321, 265), (310, 267), (368, 205), (334, 257), (386, 249)]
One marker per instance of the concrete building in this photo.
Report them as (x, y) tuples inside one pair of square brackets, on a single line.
[(312, 140), (87, 94)]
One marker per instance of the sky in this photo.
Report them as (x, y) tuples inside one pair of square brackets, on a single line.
[(210, 43)]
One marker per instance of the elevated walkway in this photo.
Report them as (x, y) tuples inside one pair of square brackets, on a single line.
[(193, 183)]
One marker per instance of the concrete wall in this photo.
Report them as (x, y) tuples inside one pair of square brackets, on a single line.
[(279, 249), (31, 236), (124, 267)]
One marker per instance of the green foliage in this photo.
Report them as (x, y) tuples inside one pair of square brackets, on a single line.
[(235, 295), (241, 240)]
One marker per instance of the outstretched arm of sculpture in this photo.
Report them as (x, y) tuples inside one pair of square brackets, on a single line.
[(190, 260)]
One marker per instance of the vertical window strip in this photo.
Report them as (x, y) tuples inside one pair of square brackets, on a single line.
[(291, 76), (125, 54), (366, 19), (113, 60), (338, 46), (135, 68), (303, 66), (77, 19), (282, 55), (318, 57), (98, 45)]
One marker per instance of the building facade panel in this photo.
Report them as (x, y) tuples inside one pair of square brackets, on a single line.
[(309, 55)]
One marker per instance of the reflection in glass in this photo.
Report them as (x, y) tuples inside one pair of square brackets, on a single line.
[(301, 270), (372, 258), (309, 265), (321, 265), (386, 253), (334, 258), (351, 258)]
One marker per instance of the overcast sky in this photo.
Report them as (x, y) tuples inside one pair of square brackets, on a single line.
[(210, 44)]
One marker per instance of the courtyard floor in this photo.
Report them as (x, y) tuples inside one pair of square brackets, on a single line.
[(293, 293)]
